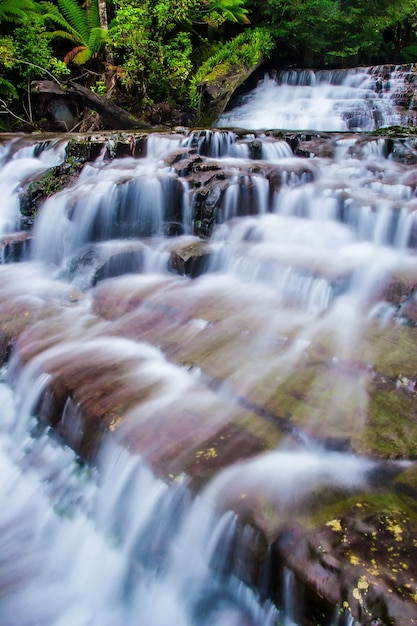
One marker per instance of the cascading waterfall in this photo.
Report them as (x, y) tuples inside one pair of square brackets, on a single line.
[(113, 546), (19, 166), (157, 516), (341, 100)]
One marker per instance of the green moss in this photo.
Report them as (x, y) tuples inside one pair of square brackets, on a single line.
[(260, 428), (247, 49), (395, 351), (217, 71), (55, 179), (392, 425), (393, 131)]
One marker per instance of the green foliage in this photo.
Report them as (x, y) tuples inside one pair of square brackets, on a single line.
[(220, 11), (163, 49), (77, 25), (409, 53), (157, 43), (33, 53), (99, 87), (7, 53), (15, 11), (25, 54), (247, 48), (154, 45), (7, 89), (331, 31)]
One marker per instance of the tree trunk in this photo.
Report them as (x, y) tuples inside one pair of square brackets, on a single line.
[(115, 117), (102, 11), (104, 23)]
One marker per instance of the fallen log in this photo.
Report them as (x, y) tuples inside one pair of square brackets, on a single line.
[(116, 117)]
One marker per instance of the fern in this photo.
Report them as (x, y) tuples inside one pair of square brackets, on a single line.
[(81, 26), (81, 56), (15, 11), (7, 88), (93, 16), (76, 17), (96, 39), (227, 10), (66, 31)]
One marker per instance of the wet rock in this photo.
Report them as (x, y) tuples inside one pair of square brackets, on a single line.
[(408, 307), (97, 262), (53, 180), (301, 172), (399, 290), (255, 149), (191, 259), (15, 247), (183, 161), (26, 300), (220, 84), (207, 207), (85, 150), (318, 147), (361, 560), (4, 348), (404, 150), (122, 263)]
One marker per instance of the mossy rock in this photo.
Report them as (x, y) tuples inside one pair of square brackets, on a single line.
[(219, 85), (53, 180)]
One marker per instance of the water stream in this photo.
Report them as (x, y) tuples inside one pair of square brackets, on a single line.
[(302, 256)]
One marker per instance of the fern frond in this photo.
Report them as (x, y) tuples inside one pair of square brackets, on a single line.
[(58, 19), (82, 56), (72, 54), (80, 26), (96, 40), (75, 16), (63, 34), (230, 10), (16, 10), (7, 88), (93, 15)]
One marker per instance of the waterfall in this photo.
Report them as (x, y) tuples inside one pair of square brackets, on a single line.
[(115, 545), (20, 165), (208, 368), (359, 99)]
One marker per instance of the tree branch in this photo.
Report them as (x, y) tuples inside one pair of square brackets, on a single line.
[(115, 116)]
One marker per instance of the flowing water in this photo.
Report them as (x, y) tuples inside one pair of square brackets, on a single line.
[(301, 258), (362, 99)]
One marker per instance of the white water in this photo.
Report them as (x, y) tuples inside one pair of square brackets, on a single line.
[(116, 545), (113, 546), (20, 166), (349, 100)]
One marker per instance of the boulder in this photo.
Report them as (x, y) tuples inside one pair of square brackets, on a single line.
[(220, 84)]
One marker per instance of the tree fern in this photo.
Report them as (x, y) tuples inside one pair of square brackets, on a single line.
[(93, 16), (76, 17), (96, 39), (15, 10), (66, 31), (81, 26)]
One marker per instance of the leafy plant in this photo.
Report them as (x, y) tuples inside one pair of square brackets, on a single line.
[(16, 11), (155, 47), (99, 87), (220, 11), (159, 42), (248, 48), (78, 25)]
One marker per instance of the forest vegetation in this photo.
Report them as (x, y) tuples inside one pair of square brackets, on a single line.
[(151, 54)]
